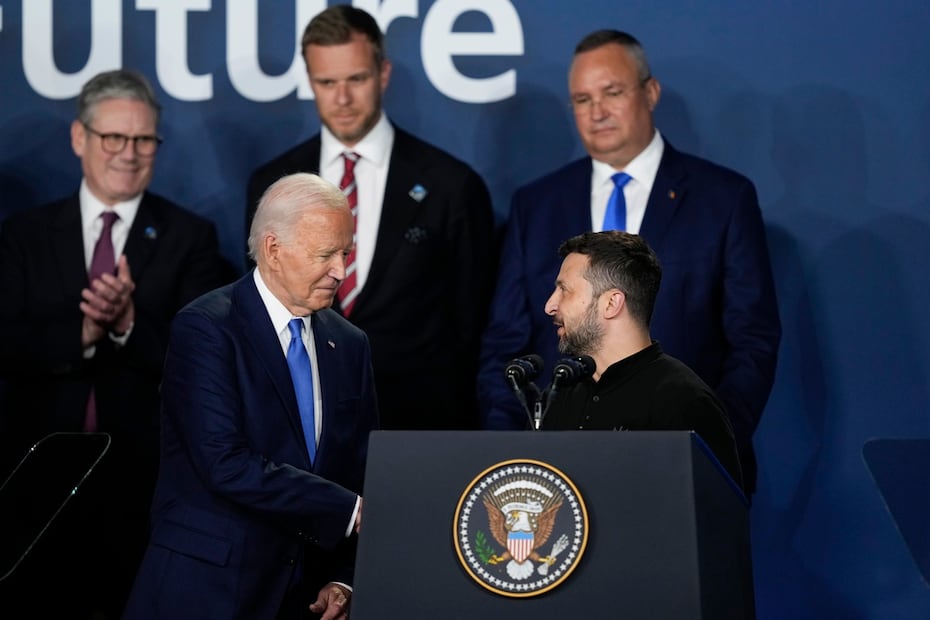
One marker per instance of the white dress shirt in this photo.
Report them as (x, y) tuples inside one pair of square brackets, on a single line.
[(91, 227), (642, 170), (371, 172)]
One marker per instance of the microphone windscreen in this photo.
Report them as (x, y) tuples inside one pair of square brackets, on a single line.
[(588, 366), (536, 361)]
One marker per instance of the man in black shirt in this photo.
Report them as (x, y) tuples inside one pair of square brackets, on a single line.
[(602, 304)]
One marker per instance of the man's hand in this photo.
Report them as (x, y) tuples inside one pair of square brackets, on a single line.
[(332, 602), (91, 332), (108, 303)]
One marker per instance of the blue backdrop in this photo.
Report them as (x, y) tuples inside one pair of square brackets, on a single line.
[(825, 104)]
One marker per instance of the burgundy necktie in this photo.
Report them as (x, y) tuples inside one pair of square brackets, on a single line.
[(103, 261), (348, 290)]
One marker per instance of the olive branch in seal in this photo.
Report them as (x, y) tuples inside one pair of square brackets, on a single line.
[(482, 548)]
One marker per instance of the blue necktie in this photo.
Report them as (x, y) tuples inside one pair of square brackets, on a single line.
[(299, 364), (615, 217)]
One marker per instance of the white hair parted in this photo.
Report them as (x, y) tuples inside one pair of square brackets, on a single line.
[(285, 202)]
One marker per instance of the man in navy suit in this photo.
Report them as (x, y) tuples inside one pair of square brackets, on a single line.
[(423, 269), (81, 352), (716, 309), (256, 505)]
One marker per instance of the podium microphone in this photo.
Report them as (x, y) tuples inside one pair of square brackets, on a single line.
[(568, 371), (519, 373), (571, 370)]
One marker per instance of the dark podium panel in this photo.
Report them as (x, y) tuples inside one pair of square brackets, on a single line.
[(899, 467), (668, 532)]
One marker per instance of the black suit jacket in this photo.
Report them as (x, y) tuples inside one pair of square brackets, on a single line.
[(424, 303), (174, 257)]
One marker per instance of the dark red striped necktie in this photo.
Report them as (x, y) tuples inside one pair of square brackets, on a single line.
[(348, 290)]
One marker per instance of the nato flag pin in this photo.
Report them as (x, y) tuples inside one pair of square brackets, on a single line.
[(150, 233)]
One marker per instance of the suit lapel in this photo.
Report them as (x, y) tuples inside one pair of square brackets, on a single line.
[(147, 228), (668, 193), (256, 325), (577, 183), (325, 343), (398, 211), (310, 155), (67, 242)]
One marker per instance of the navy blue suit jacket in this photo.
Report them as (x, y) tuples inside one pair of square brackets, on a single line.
[(716, 310), (239, 514)]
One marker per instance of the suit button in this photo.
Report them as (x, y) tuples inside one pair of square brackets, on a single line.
[(596, 399)]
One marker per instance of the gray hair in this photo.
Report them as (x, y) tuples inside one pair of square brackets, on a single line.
[(118, 84), (285, 202), (600, 38)]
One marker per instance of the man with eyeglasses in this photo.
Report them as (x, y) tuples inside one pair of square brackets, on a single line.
[(90, 284), (716, 308)]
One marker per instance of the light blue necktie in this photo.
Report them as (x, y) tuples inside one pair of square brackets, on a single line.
[(299, 364), (615, 217)]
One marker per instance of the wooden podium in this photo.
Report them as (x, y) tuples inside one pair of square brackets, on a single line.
[(666, 531)]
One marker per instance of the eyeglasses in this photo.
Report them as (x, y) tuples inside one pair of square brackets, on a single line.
[(114, 143), (611, 98)]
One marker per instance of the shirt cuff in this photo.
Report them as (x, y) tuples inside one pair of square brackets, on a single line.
[(351, 527), (120, 339)]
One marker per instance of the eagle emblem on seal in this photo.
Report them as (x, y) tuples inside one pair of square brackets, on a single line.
[(505, 524), (521, 516)]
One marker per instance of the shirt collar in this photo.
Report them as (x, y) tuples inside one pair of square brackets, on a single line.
[(643, 167), (280, 316), (375, 147), (92, 207)]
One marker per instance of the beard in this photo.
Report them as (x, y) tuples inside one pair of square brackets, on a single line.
[(585, 338)]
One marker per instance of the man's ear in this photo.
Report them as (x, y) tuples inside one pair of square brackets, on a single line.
[(616, 300), (270, 248), (78, 138)]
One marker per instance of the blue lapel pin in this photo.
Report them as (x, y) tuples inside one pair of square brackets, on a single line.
[(418, 192), (150, 233)]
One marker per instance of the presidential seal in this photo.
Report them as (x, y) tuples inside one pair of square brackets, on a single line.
[(520, 528)]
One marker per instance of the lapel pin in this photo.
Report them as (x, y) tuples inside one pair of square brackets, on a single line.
[(332, 345), (672, 194), (150, 233), (418, 192)]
